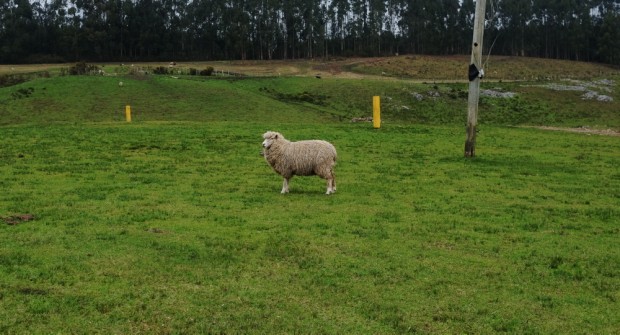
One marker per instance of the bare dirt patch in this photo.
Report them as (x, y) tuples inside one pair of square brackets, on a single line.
[(17, 219)]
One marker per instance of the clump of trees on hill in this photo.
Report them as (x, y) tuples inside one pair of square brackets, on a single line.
[(145, 30)]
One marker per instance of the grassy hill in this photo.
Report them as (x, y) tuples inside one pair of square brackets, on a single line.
[(556, 96), (174, 223)]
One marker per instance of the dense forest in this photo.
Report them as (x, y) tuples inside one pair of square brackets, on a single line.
[(147, 30)]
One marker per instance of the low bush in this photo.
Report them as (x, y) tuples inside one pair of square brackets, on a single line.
[(22, 93), (207, 72), (160, 70), (11, 79), (82, 68)]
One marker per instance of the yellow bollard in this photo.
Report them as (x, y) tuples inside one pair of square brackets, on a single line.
[(376, 111), (128, 113)]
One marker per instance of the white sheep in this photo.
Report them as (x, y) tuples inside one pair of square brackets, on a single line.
[(302, 158)]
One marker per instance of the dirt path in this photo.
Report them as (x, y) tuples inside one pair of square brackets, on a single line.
[(581, 130)]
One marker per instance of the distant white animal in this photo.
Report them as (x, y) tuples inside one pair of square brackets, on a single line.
[(302, 158)]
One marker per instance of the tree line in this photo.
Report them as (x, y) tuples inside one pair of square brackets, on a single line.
[(149, 30)]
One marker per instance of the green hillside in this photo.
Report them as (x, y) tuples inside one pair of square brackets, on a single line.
[(341, 96)]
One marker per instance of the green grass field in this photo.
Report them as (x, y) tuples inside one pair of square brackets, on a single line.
[(174, 224)]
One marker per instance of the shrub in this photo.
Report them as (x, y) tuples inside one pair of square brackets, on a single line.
[(22, 93), (193, 72), (207, 72), (82, 68), (160, 70), (10, 80)]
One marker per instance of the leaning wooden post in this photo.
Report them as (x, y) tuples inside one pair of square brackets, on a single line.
[(475, 73)]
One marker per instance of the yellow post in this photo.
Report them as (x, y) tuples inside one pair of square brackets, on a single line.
[(128, 113), (376, 111)]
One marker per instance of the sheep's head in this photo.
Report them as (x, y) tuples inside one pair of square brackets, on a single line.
[(270, 137)]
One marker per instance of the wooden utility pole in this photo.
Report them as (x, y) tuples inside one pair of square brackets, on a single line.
[(475, 72)]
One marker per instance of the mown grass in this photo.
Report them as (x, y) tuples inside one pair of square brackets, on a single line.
[(174, 223)]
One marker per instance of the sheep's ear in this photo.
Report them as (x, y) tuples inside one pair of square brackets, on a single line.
[(276, 136)]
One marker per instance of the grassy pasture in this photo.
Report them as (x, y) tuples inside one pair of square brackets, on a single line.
[(175, 224)]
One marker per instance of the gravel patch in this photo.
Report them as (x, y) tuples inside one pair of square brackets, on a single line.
[(497, 94), (592, 89)]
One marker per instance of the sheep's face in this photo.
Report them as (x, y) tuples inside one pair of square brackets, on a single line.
[(270, 137), (267, 144)]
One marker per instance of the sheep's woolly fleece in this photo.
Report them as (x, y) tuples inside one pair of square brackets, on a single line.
[(302, 158)]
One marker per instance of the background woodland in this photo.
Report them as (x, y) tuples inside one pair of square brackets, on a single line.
[(34, 31)]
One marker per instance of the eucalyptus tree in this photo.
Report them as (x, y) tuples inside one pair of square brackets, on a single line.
[(145, 26), (205, 22), (236, 29), (268, 28), (293, 29), (465, 24), (358, 29), (312, 27), (580, 31), (176, 21), (16, 27), (92, 32), (453, 43), (377, 11), (430, 26), (338, 24), (609, 38), (391, 33), (51, 22), (513, 18)]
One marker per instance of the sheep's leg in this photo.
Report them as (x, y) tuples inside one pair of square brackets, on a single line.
[(331, 185), (285, 186), (331, 181)]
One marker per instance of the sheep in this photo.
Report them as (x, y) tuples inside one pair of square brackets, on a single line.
[(302, 158)]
